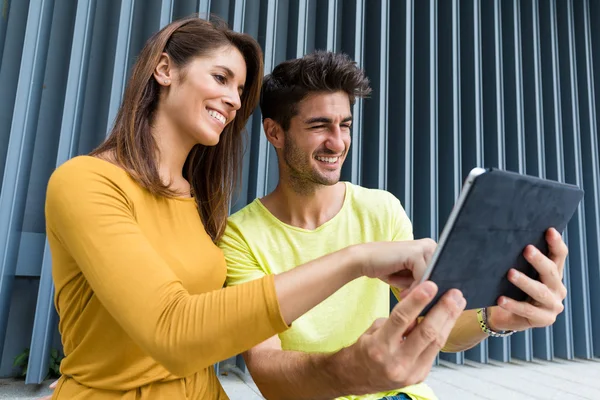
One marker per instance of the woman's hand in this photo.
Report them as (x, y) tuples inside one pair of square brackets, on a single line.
[(399, 264)]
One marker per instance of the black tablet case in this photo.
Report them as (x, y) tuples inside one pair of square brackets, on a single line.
[(503, 212)]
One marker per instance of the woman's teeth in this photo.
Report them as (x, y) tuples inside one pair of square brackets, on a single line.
[(217, 115)]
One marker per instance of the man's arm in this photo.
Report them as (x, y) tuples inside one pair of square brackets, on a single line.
[(546, 297), (389, 355), (282, 373)]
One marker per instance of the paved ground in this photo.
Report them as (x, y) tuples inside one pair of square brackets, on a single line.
[(538, 380)]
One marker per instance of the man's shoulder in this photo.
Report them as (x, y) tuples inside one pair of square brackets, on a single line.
[(371, 198), (249, 221), (252, 213)]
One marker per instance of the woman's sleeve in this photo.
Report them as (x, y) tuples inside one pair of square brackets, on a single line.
[(91, 217)]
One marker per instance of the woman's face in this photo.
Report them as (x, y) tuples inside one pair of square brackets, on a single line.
[(203, 97)]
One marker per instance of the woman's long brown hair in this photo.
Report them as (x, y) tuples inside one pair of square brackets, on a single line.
[(212, 171)]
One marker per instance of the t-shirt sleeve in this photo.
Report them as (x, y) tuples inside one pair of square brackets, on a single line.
[(91, 218), (402, 227), (242, 265)]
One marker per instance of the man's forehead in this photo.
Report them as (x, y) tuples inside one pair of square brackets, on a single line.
[(325, 104)]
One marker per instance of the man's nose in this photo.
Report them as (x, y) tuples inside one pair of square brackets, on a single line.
[(335, 142)]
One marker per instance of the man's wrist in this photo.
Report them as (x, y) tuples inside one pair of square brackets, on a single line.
[(490, 319), (485, 319), (339, 367)]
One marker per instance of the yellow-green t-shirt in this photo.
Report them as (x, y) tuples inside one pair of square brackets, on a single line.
[(256, 244)]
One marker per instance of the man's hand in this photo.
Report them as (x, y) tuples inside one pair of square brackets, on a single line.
[(546, 295), (395, 352)]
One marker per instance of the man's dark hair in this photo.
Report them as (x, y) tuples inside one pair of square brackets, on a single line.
[(321, 71)]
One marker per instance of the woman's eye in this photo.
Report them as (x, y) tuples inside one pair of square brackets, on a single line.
[(220, 78)]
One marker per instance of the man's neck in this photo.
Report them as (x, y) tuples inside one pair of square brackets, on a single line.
[(306, 210)]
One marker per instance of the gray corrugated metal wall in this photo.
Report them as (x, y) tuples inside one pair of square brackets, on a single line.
[(457, 84)]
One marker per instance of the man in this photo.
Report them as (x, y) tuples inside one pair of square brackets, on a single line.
[(342, 348)]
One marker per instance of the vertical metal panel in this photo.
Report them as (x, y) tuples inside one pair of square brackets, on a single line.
[(98, 90), (563, 328), (383, 94), (9, 72), (260, 144), (472, 122), (521, 343), (333, 26), (184, 8), (422, 120), (356, 11), (20, 147), (45, 316), (166, 12), (542, 338), (572, 149), (449, 119), (3, 24), (493, 105), (204, 8), (591, 12), (120, 65), (375, 109), (263, 165), (433, 112), (408, 109), (588, 142)]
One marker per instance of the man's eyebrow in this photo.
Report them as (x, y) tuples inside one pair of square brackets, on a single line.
[(324, 120), (230, 74)]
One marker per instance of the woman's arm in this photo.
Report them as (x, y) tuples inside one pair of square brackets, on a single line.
[(92, 218)]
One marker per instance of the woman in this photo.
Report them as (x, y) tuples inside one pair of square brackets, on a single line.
[(138, 278)]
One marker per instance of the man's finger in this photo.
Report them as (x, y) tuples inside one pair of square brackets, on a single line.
[(429, 246), (558, 249), (405, 312), (378, 323), (548, 269), (531, 314), (537, 290), (433, 330), (428, 355)]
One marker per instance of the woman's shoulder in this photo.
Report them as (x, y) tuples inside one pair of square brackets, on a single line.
[(82, 173)]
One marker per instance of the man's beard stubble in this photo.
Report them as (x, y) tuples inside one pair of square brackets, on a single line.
[(303, 178)]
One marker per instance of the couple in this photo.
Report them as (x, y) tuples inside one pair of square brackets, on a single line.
[(142, 247)]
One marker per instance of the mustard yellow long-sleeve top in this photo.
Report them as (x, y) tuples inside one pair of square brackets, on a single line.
[(139, 291)]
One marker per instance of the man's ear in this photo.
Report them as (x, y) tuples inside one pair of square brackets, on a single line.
[(163, 73), (274, 133)]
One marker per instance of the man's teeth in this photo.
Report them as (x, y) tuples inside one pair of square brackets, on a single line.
[(217, 115), (328, 159)]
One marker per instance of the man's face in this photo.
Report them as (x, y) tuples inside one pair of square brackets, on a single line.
[(318, 139)]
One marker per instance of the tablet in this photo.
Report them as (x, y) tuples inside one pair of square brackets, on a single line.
[(497, 214)]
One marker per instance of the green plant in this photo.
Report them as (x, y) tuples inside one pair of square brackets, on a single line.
[(54, 365), (21, 361)]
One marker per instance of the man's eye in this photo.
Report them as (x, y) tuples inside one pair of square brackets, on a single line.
[(346, 126), (317, 127), (220, 78)]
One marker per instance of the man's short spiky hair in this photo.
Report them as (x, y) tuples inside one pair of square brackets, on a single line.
[(321, 71)]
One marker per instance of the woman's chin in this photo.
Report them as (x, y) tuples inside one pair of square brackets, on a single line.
[(211, 139)]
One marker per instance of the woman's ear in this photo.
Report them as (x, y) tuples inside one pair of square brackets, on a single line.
[(163, 71), (274, 133)]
